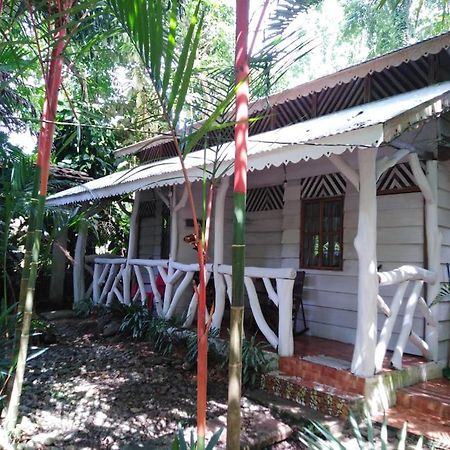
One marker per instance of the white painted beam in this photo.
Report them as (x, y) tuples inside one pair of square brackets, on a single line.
[(363, 363), (346, 170), (386, 162)]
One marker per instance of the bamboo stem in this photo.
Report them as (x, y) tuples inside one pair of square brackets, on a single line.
[(238, 249), (28, 281)]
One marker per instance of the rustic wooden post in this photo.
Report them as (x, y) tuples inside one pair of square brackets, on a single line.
[(132, 248), (285, 289), (58, 275), (363, 363), (78, 266), (173, 252), (428, 184), (219, 283), (96, 283)]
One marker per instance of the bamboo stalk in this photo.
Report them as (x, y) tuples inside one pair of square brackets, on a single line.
[(238, 249), (28, 281)]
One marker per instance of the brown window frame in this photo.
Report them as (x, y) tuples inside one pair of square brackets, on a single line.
[(321, 201)]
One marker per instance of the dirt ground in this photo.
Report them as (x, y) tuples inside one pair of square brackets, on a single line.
[(91, 392)]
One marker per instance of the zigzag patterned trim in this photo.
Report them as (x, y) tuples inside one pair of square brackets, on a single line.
[(266, 198), (329, 185), (147, 209), (396, 180)]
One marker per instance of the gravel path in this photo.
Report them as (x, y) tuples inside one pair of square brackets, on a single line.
[(106, 393)]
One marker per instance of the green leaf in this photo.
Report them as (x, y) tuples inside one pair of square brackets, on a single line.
[(187, 75), (214, 440), (402, 440), (171, 44), (183, 59)]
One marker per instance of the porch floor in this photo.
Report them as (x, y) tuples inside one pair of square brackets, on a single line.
[(307, 346)]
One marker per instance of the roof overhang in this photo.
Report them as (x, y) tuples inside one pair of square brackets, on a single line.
[(365, 126)]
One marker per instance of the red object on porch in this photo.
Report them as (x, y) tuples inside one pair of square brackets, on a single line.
[(160, 285)]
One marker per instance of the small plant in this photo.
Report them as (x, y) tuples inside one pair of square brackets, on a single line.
[(254, 360), (319, 437), (136, 322), (84, 308), (180, 442), (158, 333), (192, 344)]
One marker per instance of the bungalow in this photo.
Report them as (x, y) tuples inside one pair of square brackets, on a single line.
[(349, 181)]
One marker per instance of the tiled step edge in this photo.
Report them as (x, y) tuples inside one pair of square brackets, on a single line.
[(320, 397), (423, 402), (434, 429), (338, 378)]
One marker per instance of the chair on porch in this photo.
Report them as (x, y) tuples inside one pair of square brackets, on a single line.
[(297, 303), (270, 311)]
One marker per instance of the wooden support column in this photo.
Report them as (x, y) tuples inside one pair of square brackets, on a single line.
[(173, 252), (428, 184), (58, 271), (363, 363), (78, 266), (434, 241), (219, 282), (132, 248)]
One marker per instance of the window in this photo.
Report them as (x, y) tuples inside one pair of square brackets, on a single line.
[(321, 235)]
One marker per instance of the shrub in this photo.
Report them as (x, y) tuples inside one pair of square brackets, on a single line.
[(180, 442), (254, 360), (136, 321), (84, 308), (158, 333), (318, 437), (192, 344)]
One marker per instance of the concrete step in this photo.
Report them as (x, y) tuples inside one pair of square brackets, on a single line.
[(433, 428), (321, 397), (431, 397)]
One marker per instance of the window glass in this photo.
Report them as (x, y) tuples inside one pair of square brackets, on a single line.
[(321, 245)]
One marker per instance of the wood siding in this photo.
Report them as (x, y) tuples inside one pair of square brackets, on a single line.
[(444, 225), (273, 240)]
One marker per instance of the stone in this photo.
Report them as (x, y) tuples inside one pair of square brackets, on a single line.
[(111, 329), (26, 426), (58, 315), (44, 438)]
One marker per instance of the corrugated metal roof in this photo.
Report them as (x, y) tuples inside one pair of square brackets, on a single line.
[(368, 125), (395, 58), (285, 100)]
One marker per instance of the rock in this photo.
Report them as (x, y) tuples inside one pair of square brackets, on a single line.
[(57, 315), (111, 329), (44, 438), (26, 446), (27, 427), (103, 320)]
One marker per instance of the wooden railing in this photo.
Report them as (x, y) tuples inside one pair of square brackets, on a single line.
[(402, 277), (281, 296), (112, 278)]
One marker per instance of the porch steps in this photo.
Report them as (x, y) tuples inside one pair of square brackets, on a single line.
[(431, 397), (315, 395), (426, 409), (335, 377)]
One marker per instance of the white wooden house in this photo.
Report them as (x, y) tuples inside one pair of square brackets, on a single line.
[(349, 181)]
